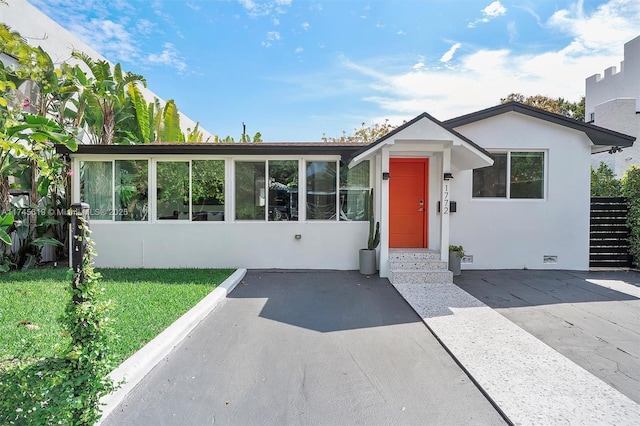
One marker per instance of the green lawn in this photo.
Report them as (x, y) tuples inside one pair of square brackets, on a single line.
[(145, 302)]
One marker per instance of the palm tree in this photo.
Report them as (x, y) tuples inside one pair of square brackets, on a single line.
[(105, 96)]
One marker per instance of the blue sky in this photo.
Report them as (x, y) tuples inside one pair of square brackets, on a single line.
[(297, 69)]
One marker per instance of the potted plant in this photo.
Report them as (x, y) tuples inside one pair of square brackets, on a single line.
[(368, 255), (456, 253)]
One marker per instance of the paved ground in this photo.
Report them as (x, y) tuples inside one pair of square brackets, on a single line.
[(308, 348), (592, 318)]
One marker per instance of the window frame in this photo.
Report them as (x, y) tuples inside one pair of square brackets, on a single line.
[(265, 162), (507, 197), (98, 159), (229, 162)]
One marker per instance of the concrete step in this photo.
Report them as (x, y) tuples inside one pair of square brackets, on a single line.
[(408, 254), (414, 276), (418, 264)]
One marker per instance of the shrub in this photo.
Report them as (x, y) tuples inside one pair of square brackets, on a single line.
[(66, 388), (604, 182), (631, 190)]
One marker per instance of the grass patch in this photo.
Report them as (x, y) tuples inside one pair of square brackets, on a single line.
[(145, 302)]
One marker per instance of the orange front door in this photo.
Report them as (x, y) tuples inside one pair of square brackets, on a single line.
[(408, 202)]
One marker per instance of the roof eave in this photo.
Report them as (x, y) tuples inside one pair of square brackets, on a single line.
[(598, 135)]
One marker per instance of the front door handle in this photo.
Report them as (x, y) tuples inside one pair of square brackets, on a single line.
[(420, 209)]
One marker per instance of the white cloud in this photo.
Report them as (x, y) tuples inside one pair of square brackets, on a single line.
[(268, 8), (146, 27), (449, 54), (273, 35), (492, 11), (305, 26), (111, 39), (169, 56), (298, 50), (400, 32), (606, 29), (481, 77), (276, 21)]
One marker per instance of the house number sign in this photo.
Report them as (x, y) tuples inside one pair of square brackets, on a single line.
[(445, 199)]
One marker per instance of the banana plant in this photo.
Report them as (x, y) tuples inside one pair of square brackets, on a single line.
[(104, 94)]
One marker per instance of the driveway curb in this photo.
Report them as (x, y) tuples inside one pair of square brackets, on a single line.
[(138, 365)]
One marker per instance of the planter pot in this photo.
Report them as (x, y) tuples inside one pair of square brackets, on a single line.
[(368, 262), (454, 262)]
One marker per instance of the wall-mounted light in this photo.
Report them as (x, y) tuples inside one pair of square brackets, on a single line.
[(448, 176), (386, 176), (615, 149)]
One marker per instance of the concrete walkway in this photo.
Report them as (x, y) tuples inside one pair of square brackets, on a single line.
[(312, 347), (592, 318), (530, 381)]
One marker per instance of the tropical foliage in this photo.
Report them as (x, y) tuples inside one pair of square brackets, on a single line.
[(604, 182), (631, 190), (90, 101), (365, 134), (560, 106)]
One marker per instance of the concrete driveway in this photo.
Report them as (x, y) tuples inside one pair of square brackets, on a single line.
[(592, 318), (312, 347)]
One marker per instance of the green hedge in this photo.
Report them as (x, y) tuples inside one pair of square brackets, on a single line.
[(631, 190)]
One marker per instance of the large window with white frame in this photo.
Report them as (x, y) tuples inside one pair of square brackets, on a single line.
[(514, 175), (354, 192), (194, 190), (116, 189), (335, 192), (191, 190), (207, 190), (266, 190)]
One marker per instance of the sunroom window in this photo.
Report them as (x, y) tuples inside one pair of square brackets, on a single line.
[(172, 190), (322, 185), (514, 175), (121, 195), (267, 190), (354, 192), (207, 190)]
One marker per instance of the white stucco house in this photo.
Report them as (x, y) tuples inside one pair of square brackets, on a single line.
[(510, 183), (613, 101)]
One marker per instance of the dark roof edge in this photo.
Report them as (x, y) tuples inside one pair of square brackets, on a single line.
[(344, 151), (598, 135), (413, 121)]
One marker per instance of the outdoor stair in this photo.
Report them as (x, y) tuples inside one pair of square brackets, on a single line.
[(412, 266)]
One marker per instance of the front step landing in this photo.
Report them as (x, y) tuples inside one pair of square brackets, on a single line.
[(414, 266)]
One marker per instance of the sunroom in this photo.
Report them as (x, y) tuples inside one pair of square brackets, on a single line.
[(214, 205)]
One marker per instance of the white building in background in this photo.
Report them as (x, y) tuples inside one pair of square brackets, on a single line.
[(613, 101), (40, 30)]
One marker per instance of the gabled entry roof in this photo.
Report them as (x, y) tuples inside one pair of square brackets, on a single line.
[(470, 153), (601, 138)]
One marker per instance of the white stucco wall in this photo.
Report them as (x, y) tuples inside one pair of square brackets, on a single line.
[(324, 245), (619, 115), (517, 234), (615, 83), (612, 101)]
